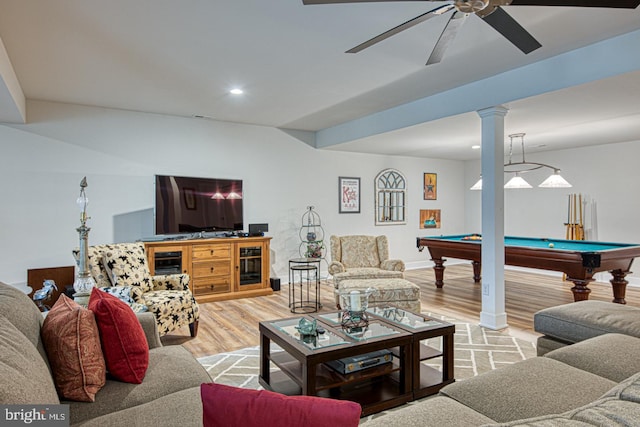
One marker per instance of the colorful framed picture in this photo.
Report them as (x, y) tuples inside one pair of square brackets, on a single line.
[(430, 186), (190, 198), (349, 195), (430, 218)]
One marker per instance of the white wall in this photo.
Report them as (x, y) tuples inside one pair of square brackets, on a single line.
[(607, 176), (42, 163)]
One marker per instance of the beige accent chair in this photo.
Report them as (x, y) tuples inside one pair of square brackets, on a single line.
[(168, 297), (362, 257)]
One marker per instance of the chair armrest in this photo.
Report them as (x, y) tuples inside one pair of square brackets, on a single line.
[(171, 282), (336, 267), (150, 328), (392, 265)]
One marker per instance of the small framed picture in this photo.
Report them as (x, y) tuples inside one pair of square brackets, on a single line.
[(430, 186), (349, 195), (429, 218), (190, 198)]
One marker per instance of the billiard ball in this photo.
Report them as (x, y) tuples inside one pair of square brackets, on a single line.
[(551, 245)]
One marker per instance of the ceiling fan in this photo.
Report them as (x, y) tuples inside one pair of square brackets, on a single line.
[(488, 10)]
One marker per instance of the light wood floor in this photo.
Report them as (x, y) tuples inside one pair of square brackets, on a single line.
[(231, 325)]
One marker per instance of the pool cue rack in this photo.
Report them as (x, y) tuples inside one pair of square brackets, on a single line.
[(575, 218)]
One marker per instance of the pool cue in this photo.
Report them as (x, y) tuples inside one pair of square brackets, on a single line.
[(581, 225), (567, 224), (576, 232)]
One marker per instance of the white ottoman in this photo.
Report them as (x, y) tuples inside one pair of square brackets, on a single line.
[(397, 292)]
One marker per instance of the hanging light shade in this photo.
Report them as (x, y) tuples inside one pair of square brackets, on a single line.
[(555, 181), (517, 167), (517, 182), (477, 185)]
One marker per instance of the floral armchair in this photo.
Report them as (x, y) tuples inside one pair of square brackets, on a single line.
[(362, 257), (123, 266)]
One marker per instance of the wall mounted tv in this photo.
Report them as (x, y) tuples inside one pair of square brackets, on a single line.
[(193, 205)]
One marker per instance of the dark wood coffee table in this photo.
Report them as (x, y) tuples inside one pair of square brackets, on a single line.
[(303, 370)]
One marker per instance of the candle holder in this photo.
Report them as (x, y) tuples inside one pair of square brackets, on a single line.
[(354, 305)]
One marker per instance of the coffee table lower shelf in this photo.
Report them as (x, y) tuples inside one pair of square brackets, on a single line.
[(374, 394)]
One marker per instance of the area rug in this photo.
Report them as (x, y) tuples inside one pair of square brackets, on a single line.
[(476, 350)]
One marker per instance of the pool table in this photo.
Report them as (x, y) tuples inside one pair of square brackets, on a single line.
[(578, 259)]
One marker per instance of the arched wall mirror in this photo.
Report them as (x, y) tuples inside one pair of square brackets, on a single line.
[(391, 197)]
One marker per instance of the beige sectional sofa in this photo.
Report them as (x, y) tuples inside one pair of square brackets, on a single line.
[(168, 396), (591, 378)]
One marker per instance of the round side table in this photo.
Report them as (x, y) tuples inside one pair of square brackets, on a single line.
[(304, 275)]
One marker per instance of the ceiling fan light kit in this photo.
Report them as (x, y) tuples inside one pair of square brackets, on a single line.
[(490, 11)]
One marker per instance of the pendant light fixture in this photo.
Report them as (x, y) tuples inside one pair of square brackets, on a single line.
[(517, 168)]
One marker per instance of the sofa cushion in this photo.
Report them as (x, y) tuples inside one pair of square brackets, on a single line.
[(531, 388), (619, 406), (582, 320), (25, 376), (171, 369), (123, 341), (20, 310), (225, 406), (612, 356), (72, 341), (181, 408), (438, 411), (545, 344)]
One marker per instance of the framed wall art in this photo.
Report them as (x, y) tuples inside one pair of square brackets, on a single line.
[(349, 195), (430, 186), (429, 218)]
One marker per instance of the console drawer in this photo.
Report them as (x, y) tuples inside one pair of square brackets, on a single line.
[(211, 268), (208, 285), (211, 252)]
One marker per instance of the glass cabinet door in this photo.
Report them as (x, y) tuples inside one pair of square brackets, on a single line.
[(250, 266)]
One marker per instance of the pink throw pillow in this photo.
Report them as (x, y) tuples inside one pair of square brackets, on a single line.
[(225, 406), (124, 343)]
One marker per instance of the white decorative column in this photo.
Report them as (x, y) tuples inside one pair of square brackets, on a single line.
[(493, 314)]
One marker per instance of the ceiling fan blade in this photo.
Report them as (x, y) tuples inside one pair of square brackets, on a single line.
[(503, 23), (448, 34), (410, 23), (627, 4)]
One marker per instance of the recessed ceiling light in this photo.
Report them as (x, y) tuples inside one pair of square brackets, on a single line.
[(475, 147), (236, 91)]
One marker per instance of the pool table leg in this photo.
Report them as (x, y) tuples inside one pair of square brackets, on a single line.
[(438, 269), (619, 285), (580, 289), (477, 266)]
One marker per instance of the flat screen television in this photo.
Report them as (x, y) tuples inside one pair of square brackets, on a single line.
[(193, 205)]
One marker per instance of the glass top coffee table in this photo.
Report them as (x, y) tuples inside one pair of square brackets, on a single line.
[(304, 363)]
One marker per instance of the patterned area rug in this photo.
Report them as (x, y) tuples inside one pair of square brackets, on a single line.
[(476, 350)]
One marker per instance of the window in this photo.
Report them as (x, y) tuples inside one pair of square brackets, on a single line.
[(391, 196)]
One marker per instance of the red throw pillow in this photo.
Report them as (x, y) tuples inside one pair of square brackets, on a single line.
[(71, 339), (124, 343), (224, 406)]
